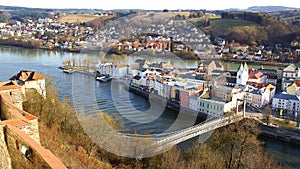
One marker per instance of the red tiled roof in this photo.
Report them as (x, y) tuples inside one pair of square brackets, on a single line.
[(9, 85), (255, 75)]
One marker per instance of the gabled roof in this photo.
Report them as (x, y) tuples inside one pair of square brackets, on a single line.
[(255, 75), (290, 68), (8, 85), (256, 91), (258, 85), (25, 75)]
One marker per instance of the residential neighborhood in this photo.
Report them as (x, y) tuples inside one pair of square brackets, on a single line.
[(48, 33)]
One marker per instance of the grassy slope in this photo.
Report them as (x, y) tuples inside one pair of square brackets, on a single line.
[(76, 18), (219, 26)]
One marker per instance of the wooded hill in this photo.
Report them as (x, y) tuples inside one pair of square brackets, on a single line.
[(253, 29)]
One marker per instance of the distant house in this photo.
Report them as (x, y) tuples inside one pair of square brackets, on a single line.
[(210, 66), (286, 83), (257, 77), (31, 80), (294, 88), (286, 102), (237, 47), (114, 70), (259, 97), (291, 71), (271, 78)]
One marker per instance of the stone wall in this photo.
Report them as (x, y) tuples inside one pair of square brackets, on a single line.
[(5, 160), (21, 139), (8, 110), (26, 153)]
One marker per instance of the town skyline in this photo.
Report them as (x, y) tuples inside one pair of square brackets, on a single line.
[(150, 5)]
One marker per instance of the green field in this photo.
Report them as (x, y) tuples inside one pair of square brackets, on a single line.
[(219, 26), (77, 18)]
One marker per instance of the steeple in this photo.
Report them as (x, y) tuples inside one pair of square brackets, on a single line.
[(241, 67), (246, 67)]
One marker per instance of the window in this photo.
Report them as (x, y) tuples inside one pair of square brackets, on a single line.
[(17, 144)]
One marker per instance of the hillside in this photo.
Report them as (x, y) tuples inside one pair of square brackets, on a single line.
[(269, 8), (221, 27), (78, 18), (291, 17), (251, 28)]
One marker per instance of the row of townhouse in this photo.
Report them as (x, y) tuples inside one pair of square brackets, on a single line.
[(214, 104), (114, 70), (260, 97), (289, 100), (290, 74), (207, 97), (194, 94)]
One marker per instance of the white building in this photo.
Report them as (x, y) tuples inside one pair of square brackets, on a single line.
[(291, 71), (114, 70), (286, 102)]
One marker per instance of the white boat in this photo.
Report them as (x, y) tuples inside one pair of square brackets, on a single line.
[(68, 71), (103, 78)]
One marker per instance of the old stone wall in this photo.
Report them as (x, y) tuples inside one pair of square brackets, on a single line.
[(5, 160), (27, 153), (20, 140)]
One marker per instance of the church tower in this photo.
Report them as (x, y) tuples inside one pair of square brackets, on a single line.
[(242, 74), (239, 74), (245, 75)]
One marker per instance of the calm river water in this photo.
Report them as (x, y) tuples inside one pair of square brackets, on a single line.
[(12, 60)]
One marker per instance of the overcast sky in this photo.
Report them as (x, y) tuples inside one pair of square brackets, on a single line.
[(150, 4)]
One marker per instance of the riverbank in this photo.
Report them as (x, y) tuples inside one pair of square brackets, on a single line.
[(41, 48), (281, 133)]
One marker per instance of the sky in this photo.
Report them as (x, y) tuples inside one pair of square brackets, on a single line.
[(150, 4)]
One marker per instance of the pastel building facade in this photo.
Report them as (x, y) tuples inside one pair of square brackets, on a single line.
[(286, 102)]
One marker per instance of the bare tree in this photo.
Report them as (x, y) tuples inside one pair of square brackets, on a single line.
[(267, 114)]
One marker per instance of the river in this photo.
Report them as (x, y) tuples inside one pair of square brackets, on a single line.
[(12, 60)]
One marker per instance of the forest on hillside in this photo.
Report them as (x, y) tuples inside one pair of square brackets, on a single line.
[(265, 30)]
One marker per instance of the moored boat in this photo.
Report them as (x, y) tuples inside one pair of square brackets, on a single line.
[(68, 71), (104, 78)]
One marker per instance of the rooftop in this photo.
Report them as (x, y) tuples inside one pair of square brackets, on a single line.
[(287, 96), (8, 86), (291, 68), (25, 75)]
